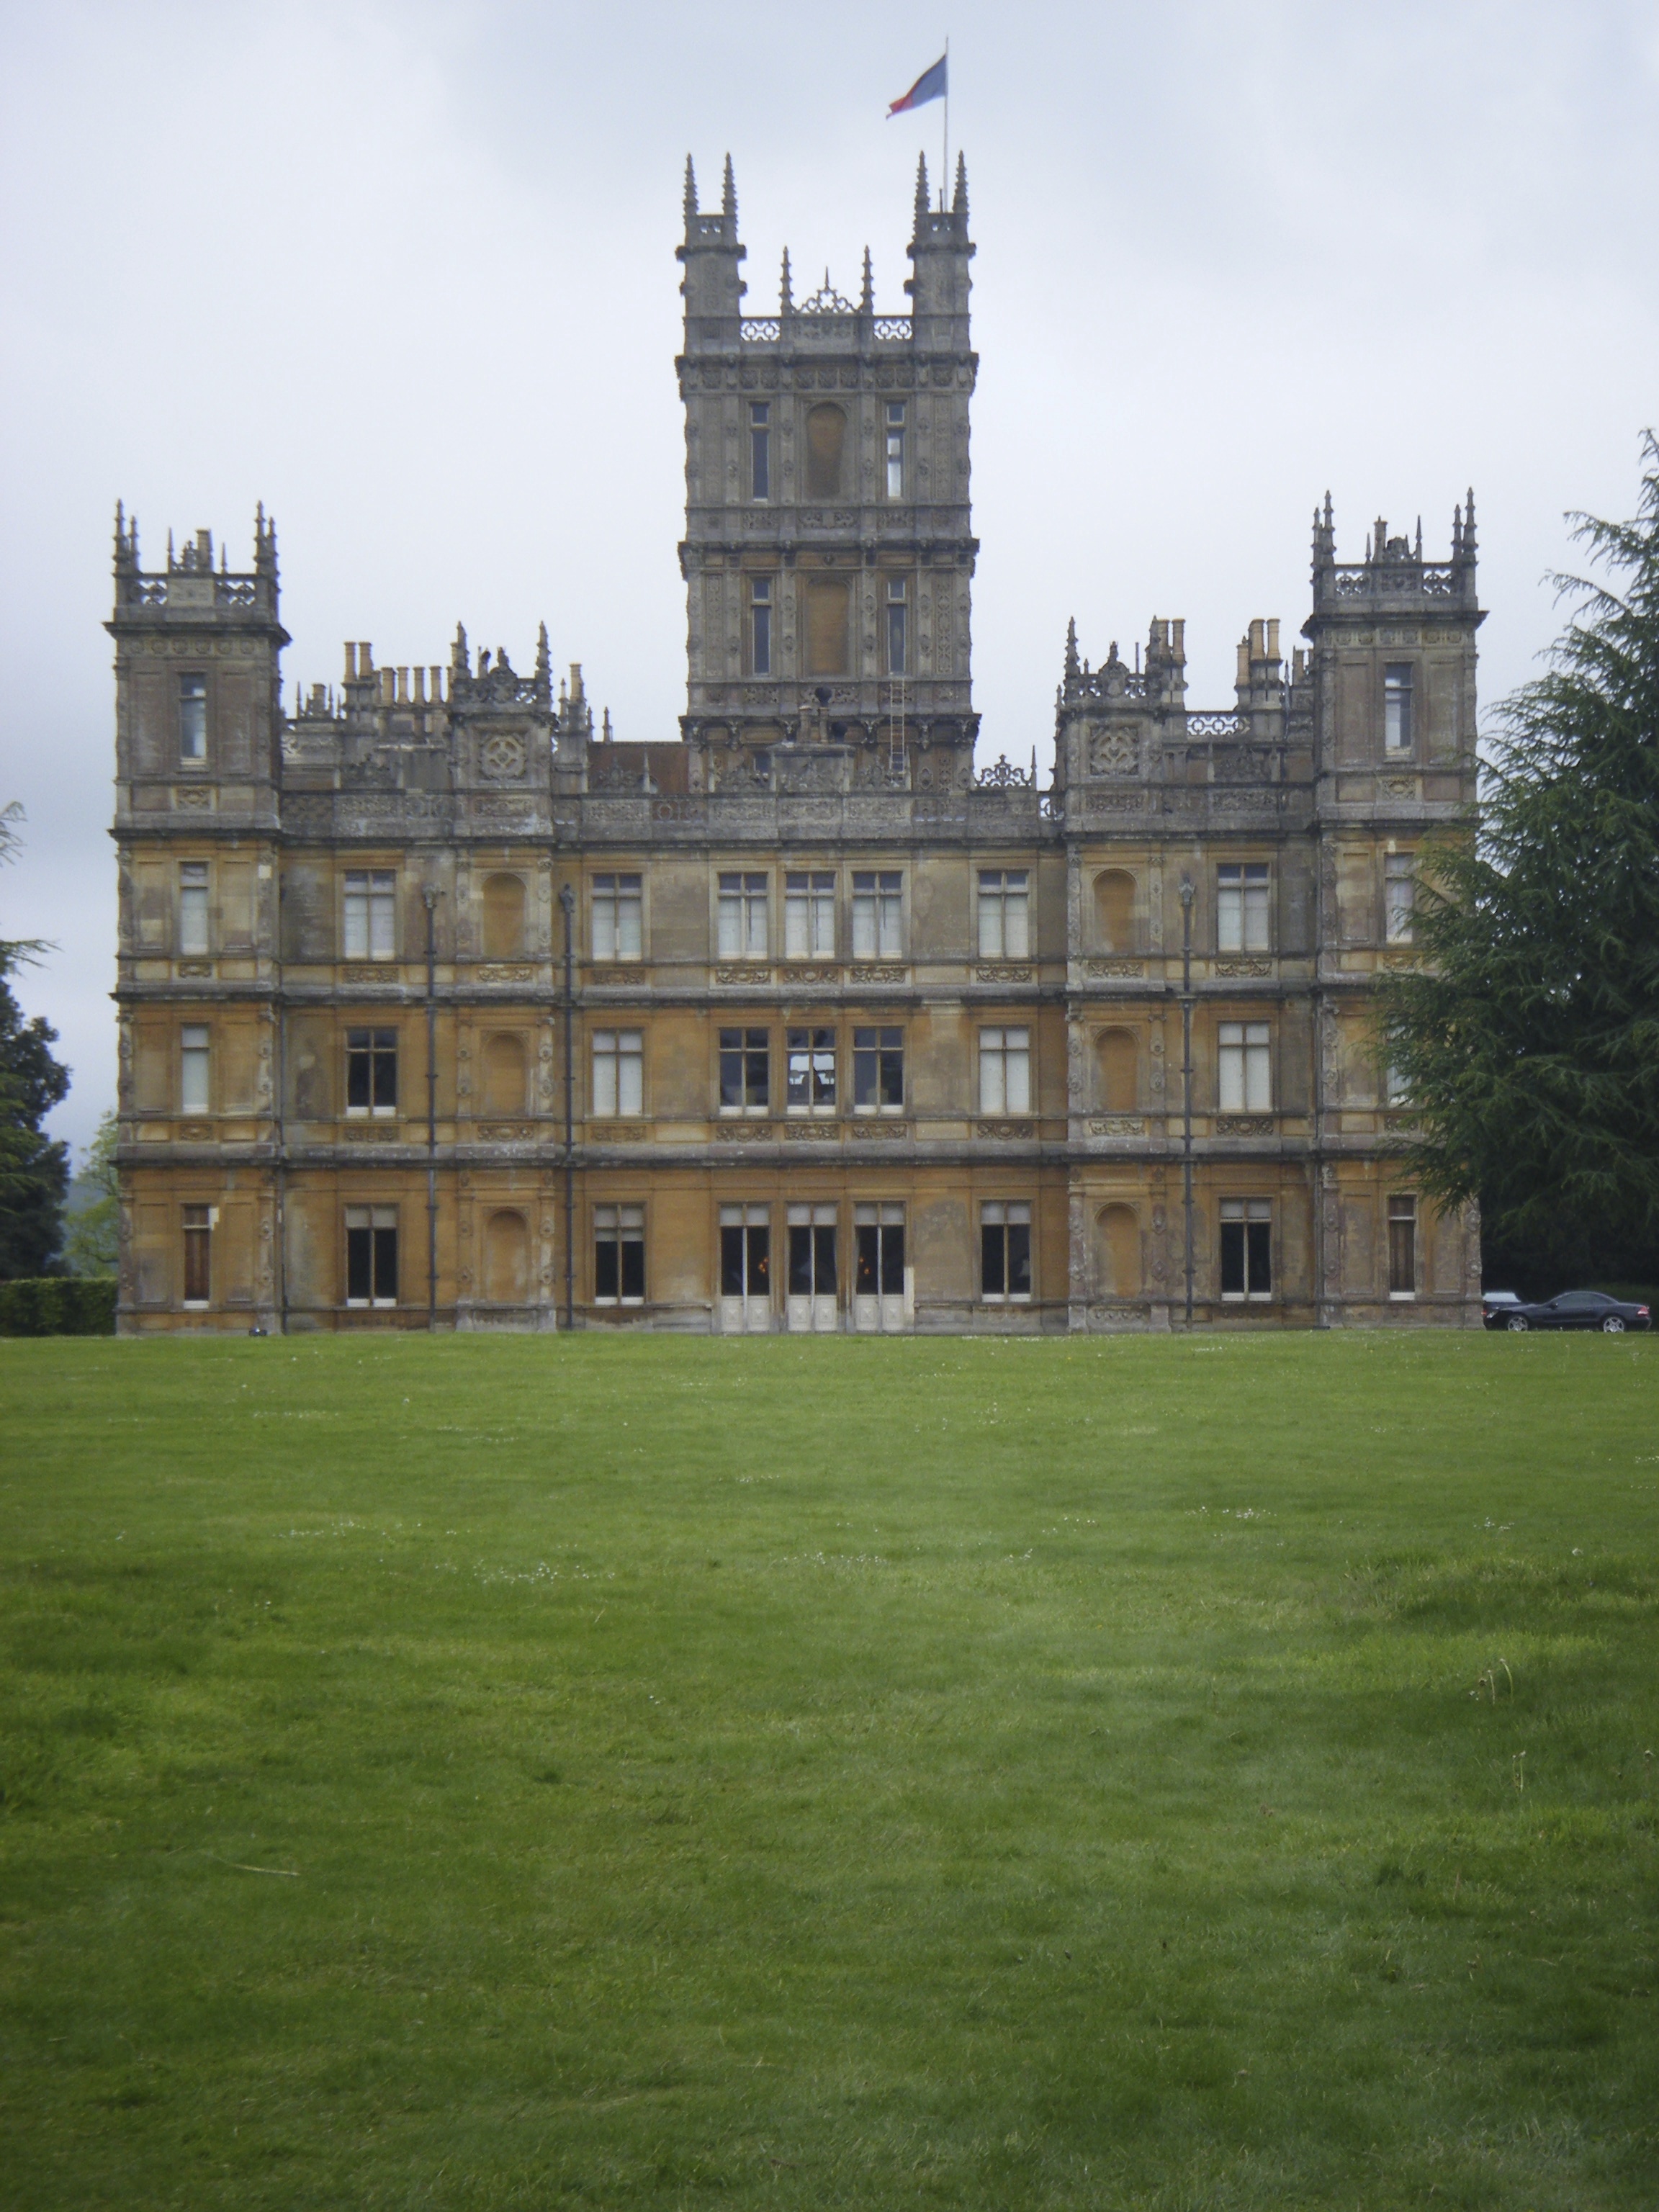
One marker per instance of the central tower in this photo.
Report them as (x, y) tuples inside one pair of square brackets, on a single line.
[(828, 550)]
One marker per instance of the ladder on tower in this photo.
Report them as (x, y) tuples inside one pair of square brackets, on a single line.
[(896, 732)]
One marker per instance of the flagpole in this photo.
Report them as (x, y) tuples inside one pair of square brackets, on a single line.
[(944, 171)]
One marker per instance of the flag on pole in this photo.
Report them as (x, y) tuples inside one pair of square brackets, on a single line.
[(932, 84)]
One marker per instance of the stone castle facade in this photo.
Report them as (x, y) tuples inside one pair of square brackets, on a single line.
[(441, 1008)]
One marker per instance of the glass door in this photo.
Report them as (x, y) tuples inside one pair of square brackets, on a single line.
[(881, 1281), (812, 1276), (745, 1270)]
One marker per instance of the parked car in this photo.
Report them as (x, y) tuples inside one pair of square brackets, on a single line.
[(1495, 1306), (1577, 1309)]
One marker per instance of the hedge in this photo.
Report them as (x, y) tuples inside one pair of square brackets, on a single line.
[(59, 1305)]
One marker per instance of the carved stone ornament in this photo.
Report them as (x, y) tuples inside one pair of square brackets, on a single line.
[(502, 757), (504, 972), (388, 972), (1106, 969), (193, 798), (506, 1133), (1115, 750), (745, 1133), (1244, 967), (755, 975), (872, 1128), (1118, 1125), (1003, 972), (1006, 1130), (1244, 1125)]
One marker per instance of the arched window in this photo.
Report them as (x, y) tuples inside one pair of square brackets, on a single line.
[(1119, 1055), (1114, 909), (503, 917), (504, 1073), (1117, 1252), (507, 1260), (826, 434)]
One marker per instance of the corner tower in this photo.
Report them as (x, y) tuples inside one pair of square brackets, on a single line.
[(829, 548)]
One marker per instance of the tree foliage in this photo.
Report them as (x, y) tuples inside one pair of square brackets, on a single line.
[(1528, 1042), (33, 1168), (92, 1238)]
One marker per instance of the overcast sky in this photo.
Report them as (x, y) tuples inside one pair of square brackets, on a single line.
[(406, 272)]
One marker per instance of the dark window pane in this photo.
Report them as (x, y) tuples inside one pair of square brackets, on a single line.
[(868, 1259), (358, 1084), (731, 1067), (823, 1250), (800, 1260), (892, 1072), (198, 1254), (760, 1261), (892, 1260), (385, 1263), (758, 441), (386, 1076), (731, 1263), (1259, 1257), (763, 640), (1020, 1258), (993, 1277), (359, 1263), (864, 1074), (633, 1267), (605, 1267), (1232, 1259)]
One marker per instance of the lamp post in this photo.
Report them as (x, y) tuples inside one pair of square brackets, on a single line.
[(429, 900), (1187, 1083), (567, 908)]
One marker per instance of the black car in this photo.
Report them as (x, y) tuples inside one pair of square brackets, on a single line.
[(1577, 1309)]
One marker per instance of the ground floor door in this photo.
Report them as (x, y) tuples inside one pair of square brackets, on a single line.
[(813, 1280), (745, 1270), (881, 1279)]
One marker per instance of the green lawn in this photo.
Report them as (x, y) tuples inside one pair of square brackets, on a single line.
[(1207, 1773)]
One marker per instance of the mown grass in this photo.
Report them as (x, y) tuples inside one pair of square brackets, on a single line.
[(511, 1773)]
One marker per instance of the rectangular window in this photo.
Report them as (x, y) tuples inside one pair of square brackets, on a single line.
[(1397, 706), (809, 1072), (898, 639), (742, 917), (745, 1252), (809, 915), (1396, 1086), (618, 1255), (760, 626), (194, 1069), (1241, 907), (1004, 1252), (745, 1071), (193, 718), (371, 1255), (895, 449), (371, 1071), (618, 1072), (618, 918), (878, 1071), (760, 449), (1246, 1070), (198, 1254), (878, 1251), (877, 915), (193, 907), (1004, 1070), (1399, 896), (811, 1251), (1004, 913), (371, 914), (1402, 1246), (1247, 1248)]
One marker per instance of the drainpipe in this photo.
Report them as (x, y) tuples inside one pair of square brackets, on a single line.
[(1187, 1081), (567, 908), (429, 900)]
